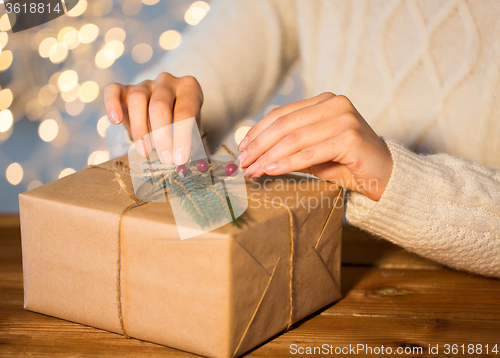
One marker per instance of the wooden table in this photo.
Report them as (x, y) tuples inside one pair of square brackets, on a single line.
[(391, 298)]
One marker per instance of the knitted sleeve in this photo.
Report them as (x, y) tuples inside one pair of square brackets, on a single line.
[(239, 54), (438, 206)]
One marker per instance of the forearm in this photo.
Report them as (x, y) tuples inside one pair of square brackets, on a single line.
[(439, 206)]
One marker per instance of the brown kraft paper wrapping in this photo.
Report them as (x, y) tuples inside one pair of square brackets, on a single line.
[(219, 294)]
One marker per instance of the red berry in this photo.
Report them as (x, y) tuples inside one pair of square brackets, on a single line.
[(182, 169), (202, 166), (231, 169)]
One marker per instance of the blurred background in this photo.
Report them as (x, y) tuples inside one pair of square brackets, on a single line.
[(52, 117)]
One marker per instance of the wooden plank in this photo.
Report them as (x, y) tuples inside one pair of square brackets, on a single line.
[(9, 220), (23, 333), (381, 306), (440, 294), (394, 332), (10, 240), (361, 248)]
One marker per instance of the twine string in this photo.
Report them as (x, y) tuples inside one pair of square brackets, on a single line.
[(120, 168)]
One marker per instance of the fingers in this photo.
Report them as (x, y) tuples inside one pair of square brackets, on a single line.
[(138, 100), (154, 106), (336, 107), (189, 100), (183, 132), (296, 141), (327, 150), (276, 113), (330, 138), (284, 127), (160, 116), (114, 96)]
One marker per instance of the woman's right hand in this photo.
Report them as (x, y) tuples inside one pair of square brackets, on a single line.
[(154, 105)]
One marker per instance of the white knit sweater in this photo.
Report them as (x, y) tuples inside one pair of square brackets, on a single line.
[(425, 74)]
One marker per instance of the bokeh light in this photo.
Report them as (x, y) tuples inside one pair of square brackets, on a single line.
[(67, 80), (4, 23), (66, 172), (54, 76), (46, 45), (4, 38), (116, 33), (34, 184), (72, 94), (170, 39), (79, 8), (241, 133), (69, 36), (89, 91), (74, 108), (142, 53), (5, 59), (48, 130), (88, 33), (131, 7), (98, 157), (196, 12), (116, 46), (109, 53), (58, 52), (103, 125), (104, 58), (6, 120), (6, 98), (14, 173)]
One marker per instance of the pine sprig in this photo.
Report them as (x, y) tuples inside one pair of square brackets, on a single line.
[(205, 203)]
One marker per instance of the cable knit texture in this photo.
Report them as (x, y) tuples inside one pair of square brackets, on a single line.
[(423, 73), (440, 206)]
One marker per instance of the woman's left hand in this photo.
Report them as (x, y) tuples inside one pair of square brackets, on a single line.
[(324, 136)]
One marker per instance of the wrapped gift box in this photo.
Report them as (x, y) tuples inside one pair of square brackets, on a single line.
[(218, 294)]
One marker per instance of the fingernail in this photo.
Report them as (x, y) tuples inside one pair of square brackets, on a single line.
[(148, 145), (241, 158), (114, 117), (270, 168), (180, 156), (140, 147), (166, 157), (251, 169), (243, 144)]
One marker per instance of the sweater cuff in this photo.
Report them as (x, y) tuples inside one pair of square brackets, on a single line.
[(404, 201)]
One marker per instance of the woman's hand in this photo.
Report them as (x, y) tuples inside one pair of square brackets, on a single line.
[(152, 106), (324, 136)]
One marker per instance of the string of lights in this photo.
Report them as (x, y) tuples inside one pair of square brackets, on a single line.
[(52, 117)]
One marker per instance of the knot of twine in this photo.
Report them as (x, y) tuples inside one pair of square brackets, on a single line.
[(165, 173)]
